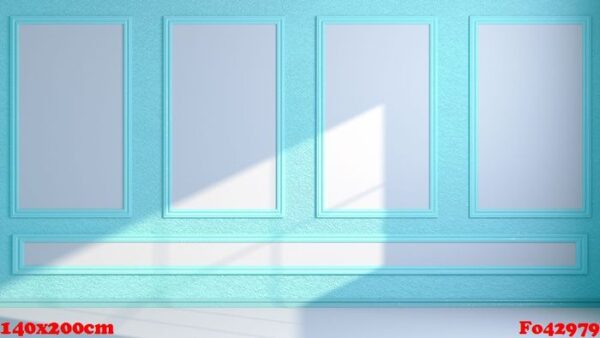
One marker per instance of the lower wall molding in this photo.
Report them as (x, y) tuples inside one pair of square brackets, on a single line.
[(351, 303), (300, 255)]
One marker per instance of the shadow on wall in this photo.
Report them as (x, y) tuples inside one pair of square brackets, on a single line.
[(380, 116)]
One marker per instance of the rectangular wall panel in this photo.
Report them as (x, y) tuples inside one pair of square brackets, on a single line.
[(375, 115), (39, 255), (530, 117), (69, 117), (222, 117)]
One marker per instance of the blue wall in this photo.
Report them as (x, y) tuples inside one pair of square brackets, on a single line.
[(299, 172)]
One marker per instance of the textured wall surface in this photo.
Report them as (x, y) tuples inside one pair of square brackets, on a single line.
[(299, 173)]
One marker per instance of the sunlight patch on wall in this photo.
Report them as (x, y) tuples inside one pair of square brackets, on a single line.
[(228, 193), (355, 162)]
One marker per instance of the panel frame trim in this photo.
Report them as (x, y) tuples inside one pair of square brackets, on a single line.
[(19, 268), (585, 23), (321, 211), (15, 211), (168, 211)]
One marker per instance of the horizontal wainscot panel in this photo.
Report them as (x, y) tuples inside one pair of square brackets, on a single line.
[(300, 255)]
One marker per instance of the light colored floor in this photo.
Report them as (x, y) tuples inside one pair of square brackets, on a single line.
[(308, 322)]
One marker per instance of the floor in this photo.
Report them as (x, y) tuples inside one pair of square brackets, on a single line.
[(309, 322)]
